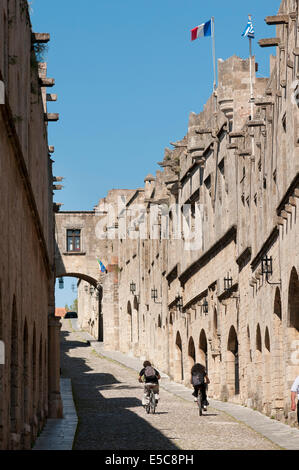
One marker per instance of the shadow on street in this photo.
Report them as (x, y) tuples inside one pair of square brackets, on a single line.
[(106, 424)]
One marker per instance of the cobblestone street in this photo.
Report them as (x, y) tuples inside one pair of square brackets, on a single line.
[(108, 400)]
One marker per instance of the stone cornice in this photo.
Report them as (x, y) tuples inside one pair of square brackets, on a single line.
[(173, 274), (245, 255), (209, 254), (266, 246), (135, 195), (285, 199)]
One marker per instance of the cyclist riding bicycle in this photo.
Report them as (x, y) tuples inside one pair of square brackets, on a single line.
[(151, 377), (199, 380)]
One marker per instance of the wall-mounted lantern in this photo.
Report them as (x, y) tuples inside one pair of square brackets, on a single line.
[(91, 290), (86, 288), (205, 307), (228, 282), (267, 269), (61, 283), (133, 287), (154, 294), (267, 266), (179, 302)]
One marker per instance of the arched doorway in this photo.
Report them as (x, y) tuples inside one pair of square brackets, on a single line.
[(129, 325), (34, 384), (178, 361), (171, 345), (160, 343), (136, 312), (2, 354), (249, 368), (14, 371), (26, 383), (214, 370), (293, 326), (191, 353), (40, 384), (277, 368), (293, 303), (203, 350), (267, 373), (89, 303), (232, 363), (258, 368)]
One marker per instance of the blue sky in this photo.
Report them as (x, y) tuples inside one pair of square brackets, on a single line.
[(127, 77)]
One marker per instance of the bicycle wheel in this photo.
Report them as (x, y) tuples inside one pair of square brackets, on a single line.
[(199, 402), (148, 404), (153, 402)]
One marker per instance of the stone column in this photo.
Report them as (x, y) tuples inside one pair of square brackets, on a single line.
[(55, 403), (110, 306)]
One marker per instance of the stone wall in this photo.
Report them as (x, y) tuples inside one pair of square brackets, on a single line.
[(242, 171), (28, 394)]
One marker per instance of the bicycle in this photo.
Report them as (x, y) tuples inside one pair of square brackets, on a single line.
[(151, 405), (199, 402), (201, 407)]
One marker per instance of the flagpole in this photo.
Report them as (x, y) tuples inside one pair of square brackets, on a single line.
[(214, 54), (251, 90), (214, 62), (250, 70)]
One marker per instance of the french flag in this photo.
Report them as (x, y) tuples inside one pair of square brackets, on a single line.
[(200, 31)]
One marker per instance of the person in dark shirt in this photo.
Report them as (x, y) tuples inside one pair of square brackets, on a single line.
[(199, 380), (149, 375)]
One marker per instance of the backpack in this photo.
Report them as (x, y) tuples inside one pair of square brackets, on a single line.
[(198, 379), (149, 372)]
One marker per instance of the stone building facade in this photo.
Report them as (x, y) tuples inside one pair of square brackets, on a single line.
[(189, 251), (29, 333)]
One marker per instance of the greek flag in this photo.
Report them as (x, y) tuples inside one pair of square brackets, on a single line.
[(249, 30), (101, 266)]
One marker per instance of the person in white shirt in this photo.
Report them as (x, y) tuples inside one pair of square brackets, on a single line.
[(294, 394)]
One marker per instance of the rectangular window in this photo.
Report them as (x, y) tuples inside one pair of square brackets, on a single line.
[(73, 240)]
